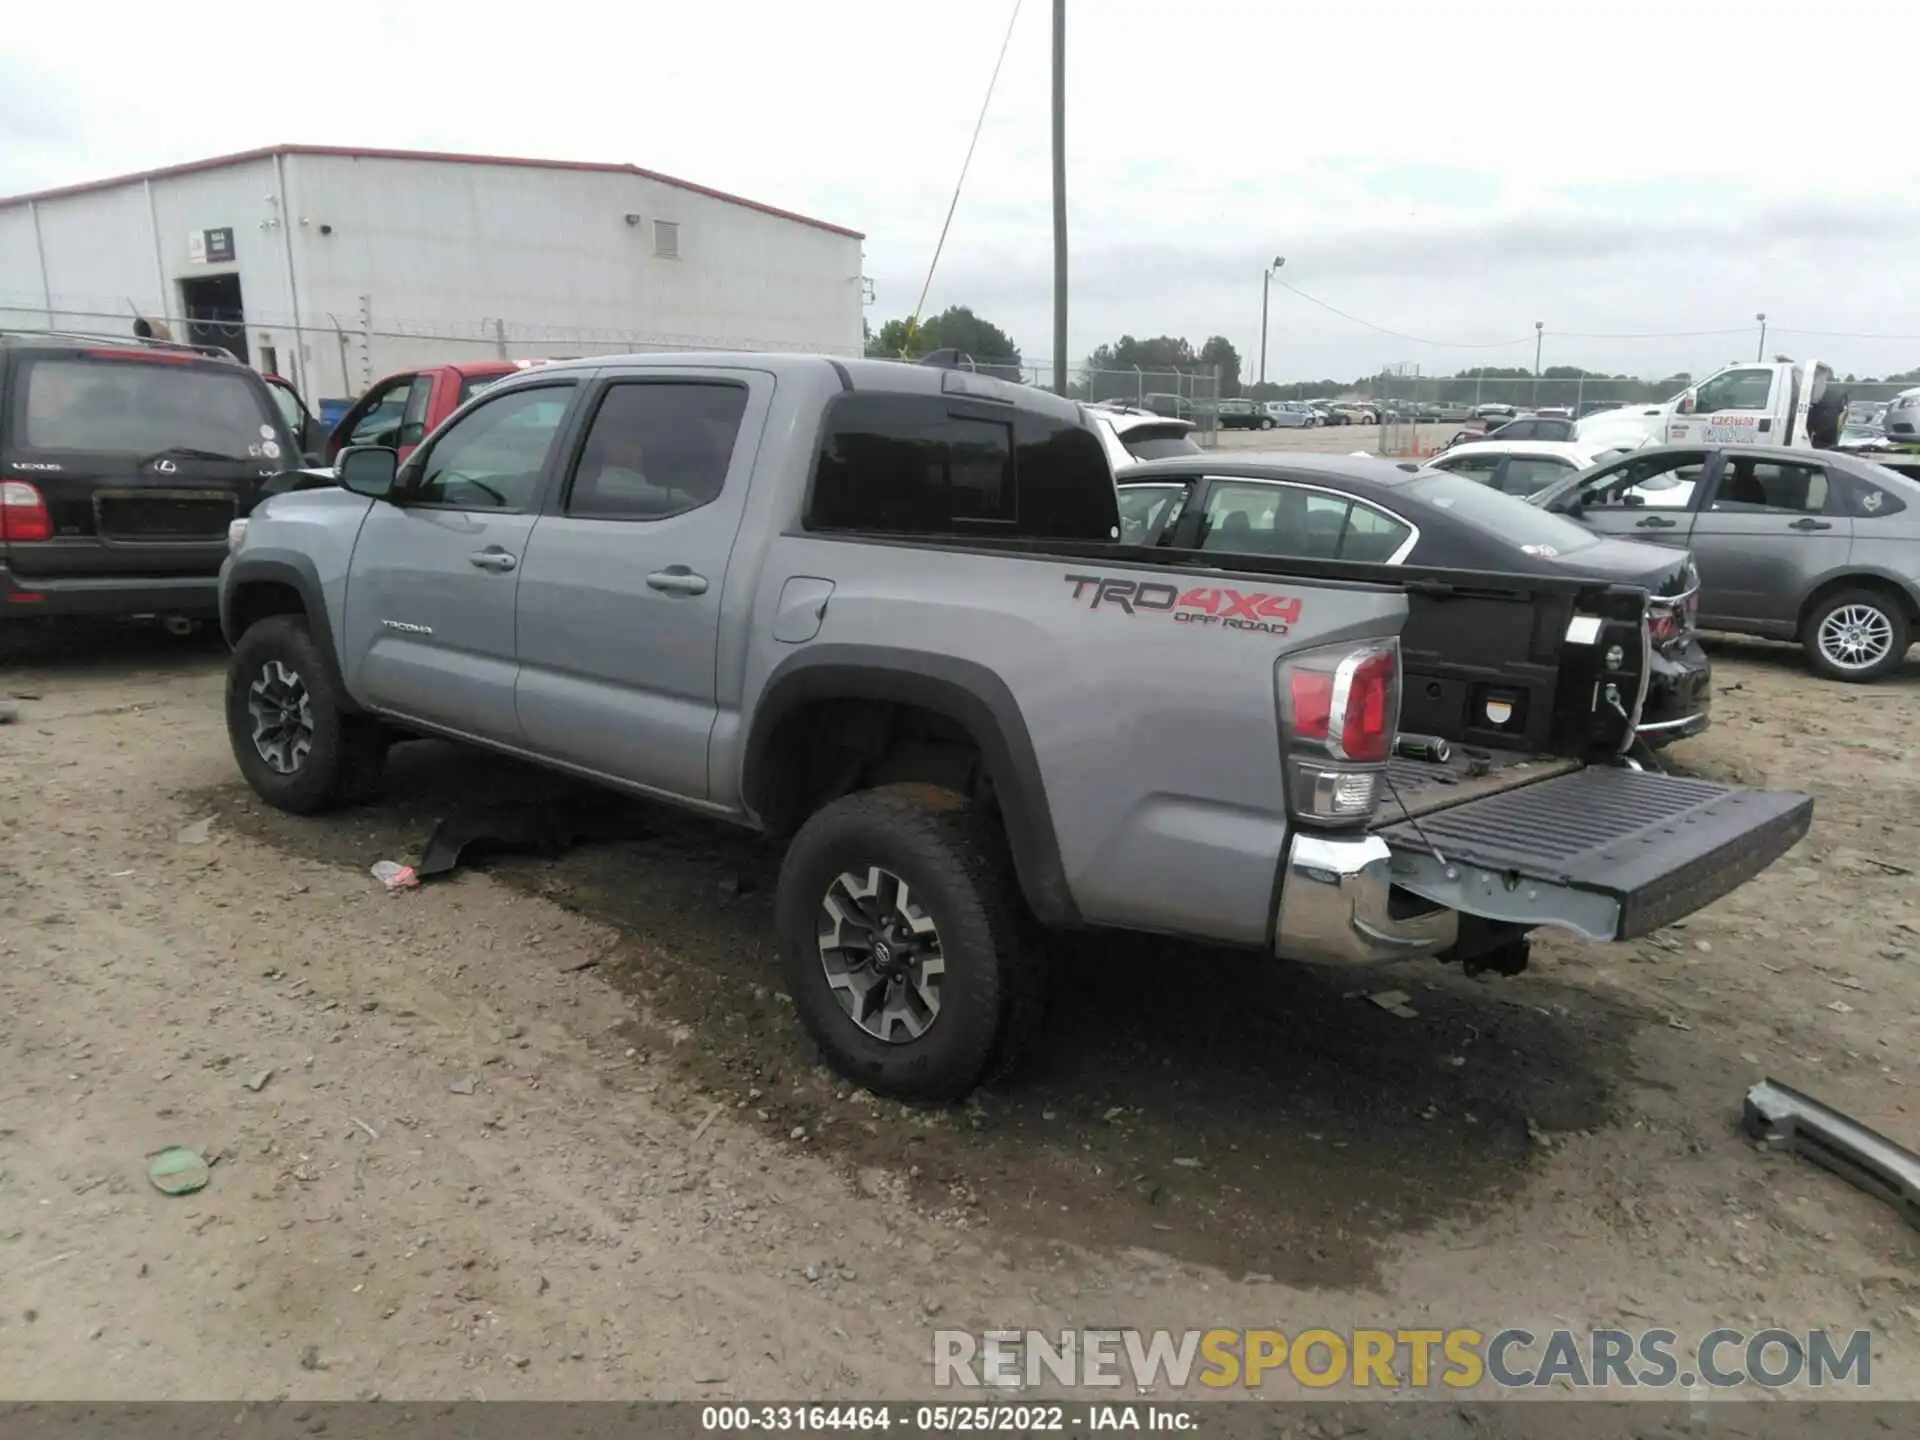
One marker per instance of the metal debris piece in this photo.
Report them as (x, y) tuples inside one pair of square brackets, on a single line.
[(1781, 1118)]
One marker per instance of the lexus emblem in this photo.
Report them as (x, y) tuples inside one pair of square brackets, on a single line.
[(165, 467)]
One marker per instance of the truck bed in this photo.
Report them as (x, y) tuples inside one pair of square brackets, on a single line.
[(1609, 852)]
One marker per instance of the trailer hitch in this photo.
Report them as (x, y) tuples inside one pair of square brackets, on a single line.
[(1781, 1118)]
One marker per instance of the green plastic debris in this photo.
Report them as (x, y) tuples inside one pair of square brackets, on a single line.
[(177, 1170)]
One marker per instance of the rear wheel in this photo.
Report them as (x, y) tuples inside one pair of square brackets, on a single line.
[(1857, 636), (1266, 422), (299, 750), (899, 937)]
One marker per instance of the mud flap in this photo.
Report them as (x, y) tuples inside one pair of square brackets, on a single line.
[(1607, 852)]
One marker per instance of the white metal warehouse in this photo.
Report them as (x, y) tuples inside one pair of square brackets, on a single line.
[(333, 267)]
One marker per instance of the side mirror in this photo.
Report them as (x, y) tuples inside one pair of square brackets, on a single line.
[(367, 470)]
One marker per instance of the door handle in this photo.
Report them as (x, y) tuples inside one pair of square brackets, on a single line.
[(677, 580), (1809, 523), (498, 561), (1654, 522)]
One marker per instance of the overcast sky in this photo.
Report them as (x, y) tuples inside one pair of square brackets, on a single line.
[(1452, 171)]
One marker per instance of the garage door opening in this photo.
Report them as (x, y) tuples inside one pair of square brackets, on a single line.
[(214, 313)]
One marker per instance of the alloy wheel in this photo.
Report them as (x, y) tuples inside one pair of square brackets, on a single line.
[(881, 953), (1856, 637), (282, 712)]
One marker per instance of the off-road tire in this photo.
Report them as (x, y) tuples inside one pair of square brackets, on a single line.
[(346, 753), (951, 857), (1894, 618)]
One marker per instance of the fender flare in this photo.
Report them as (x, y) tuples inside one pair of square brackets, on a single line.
[(967, 693), (295, 572)]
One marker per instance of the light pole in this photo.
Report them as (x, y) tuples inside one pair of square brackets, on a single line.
[(1060, 197), (1539, 334), (1266, 278), (1761, 353)]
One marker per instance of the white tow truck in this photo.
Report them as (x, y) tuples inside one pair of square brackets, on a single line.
[(1786, 402)]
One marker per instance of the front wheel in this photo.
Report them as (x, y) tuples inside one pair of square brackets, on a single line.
[(1857, 636), (296, 746), (898, 935)]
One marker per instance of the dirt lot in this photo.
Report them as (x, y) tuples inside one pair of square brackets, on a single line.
[(550, 1129)]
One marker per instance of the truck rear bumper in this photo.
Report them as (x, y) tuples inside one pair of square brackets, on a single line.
[(23, 597), (1337, 906)]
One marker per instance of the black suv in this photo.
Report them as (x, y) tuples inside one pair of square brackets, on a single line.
[(122, 463)]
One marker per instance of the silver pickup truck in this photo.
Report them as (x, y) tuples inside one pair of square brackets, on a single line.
[(882, 611)]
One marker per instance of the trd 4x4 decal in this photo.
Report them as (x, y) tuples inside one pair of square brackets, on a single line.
[(1256, 610)]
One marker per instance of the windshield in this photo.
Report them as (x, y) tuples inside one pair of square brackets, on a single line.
[(1506, 517), (125, 407), (1147, 510)]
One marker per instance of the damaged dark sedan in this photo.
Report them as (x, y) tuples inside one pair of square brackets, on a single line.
[(1337, 507)]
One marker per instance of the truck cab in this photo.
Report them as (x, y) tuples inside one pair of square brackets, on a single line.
[(1782, 403)]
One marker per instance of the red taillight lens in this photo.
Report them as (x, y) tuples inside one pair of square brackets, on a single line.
[(23, 514), (1339, 707), (1371, 707)]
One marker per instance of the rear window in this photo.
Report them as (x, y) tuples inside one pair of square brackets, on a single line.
[(1506, 517), (472, 385), (125, 407), (911, 464), (1158, 442)]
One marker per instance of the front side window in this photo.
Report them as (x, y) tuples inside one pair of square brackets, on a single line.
[(126, 407), (1661, 482), (380, 424), (413, 419), (657, 448), (1736, 390), (492, 458)]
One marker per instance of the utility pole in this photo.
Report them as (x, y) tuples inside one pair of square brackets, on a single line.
[(1266, 278), (1761, 353), (1060, 196), (1539, 334)]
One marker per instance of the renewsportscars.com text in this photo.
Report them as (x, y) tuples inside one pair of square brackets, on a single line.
[(1457, 1359)]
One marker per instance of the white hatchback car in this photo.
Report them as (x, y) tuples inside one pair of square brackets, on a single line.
[(1520, 467), (1132, 437)]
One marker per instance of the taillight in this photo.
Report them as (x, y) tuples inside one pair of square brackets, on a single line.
[(23, 514), (1339, 708)]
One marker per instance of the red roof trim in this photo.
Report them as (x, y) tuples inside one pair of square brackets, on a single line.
[(342, 152)]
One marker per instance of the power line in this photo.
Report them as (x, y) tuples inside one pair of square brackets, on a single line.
[(1399, 335), (1842, 335), (954, 205)]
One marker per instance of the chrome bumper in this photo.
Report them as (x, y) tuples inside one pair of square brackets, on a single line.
[(1334, 906)]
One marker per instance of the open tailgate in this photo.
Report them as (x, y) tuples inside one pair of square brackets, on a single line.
[(1609, 852)]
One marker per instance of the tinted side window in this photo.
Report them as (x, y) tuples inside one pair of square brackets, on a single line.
[(1526, 474), (1477, 468), (657, 448), (1868, 500), (913, 464), (493, 456), (381, 424), (1267, 519), (1749, 485), (413, 420), (1735, 390)]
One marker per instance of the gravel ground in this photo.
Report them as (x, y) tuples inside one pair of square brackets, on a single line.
[(549, 1128)]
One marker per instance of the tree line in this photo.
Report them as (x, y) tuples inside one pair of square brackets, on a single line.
[(1131, 367)]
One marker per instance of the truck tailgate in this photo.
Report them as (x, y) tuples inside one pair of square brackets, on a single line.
[(1608, 852)]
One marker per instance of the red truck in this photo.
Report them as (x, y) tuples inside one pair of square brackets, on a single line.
[(402, 410)]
